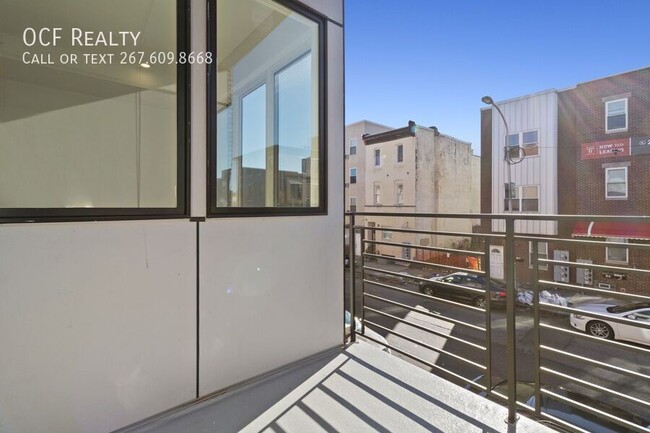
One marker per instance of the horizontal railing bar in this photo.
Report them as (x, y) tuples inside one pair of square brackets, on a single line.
[(504, 397), (636, 323), (594, 411), (512, 216), (451, 285), (425, 247), (596, 387), (422, 295), (594, 362), (431, 232), (595, 339), (555, 420), (427, 363), (636, 246), (417, 262), (593, 266), (396, 274), (438, 333), (420, 343), (589, 289)]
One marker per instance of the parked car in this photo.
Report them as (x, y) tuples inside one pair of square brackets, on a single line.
[(437, 286), (381, 341), (636, 311), (566, 412)]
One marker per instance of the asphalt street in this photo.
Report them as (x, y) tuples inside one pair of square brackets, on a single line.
[(448, 337)]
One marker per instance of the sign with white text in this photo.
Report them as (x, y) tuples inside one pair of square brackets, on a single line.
[(605, 149)]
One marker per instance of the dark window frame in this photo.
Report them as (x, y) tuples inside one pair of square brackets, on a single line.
[(33, 215), (226, 212)]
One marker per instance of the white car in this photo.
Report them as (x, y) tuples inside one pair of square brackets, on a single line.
[(639, 312)]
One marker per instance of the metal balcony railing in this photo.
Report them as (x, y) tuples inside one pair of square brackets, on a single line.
[(577, 380)]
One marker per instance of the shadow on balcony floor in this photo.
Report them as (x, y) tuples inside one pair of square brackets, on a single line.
[(357, 389)]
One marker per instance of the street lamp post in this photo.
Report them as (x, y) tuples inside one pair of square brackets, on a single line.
[(511, 354)]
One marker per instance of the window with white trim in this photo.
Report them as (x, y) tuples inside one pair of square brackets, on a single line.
[(527, 140), (399, 193), (377, 194), (542, 253), (617, 254), (353, 204), (377, 158), (616, 183), (353, 175), (525, 198), (616, 115), (353, 146)]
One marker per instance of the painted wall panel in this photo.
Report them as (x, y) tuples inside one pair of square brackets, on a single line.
[(97, 323), (534, 112), (271, 289)]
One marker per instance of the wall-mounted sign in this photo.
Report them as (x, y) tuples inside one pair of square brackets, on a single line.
[(605, 149), (640, 145)]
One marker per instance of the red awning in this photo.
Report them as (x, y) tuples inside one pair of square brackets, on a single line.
[(612, 230)]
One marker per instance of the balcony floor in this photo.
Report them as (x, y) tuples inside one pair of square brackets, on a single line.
[(356, 389)]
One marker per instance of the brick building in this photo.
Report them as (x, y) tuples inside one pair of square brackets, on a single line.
[(590, 156)]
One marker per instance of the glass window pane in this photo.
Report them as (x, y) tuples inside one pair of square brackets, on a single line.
[(529, 191), (513, 140), (529, 138), (616, 122), (267, 152), (616, 107), (82, 135)]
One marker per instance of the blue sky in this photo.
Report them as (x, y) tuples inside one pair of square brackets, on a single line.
[(431, 61)]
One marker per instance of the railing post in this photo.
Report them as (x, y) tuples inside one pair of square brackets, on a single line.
[(488, 319), (511, 335), (536, 329), (362, 238), (353, 331)]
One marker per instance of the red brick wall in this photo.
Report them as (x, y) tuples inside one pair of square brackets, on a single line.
[(581, 119)]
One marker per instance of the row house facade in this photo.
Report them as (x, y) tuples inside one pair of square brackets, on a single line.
[(414, 169), (585, 152)]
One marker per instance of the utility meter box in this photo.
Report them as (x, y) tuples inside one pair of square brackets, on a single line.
[(561, 273)]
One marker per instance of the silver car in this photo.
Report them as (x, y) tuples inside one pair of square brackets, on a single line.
[(637, 312)]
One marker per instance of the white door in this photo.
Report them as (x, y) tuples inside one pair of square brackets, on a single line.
[(496, 262)]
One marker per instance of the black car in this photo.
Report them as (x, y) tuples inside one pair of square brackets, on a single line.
[(443, 286)]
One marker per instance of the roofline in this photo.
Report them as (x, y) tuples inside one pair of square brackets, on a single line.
[(393, 134), (368, 121), (565, 88), (519, 98)]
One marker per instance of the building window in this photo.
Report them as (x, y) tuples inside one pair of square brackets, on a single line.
[(377, 194), (523, 144), (400, 153), (353, 146), (616, 183), (386, 235), (266, 105), (530, 143), (616, 115), (542, 253), (399, 193), (617, 254), (513, 146), (525, 198), (353, 175), (101, 140), (377, 158), (353, 204)]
